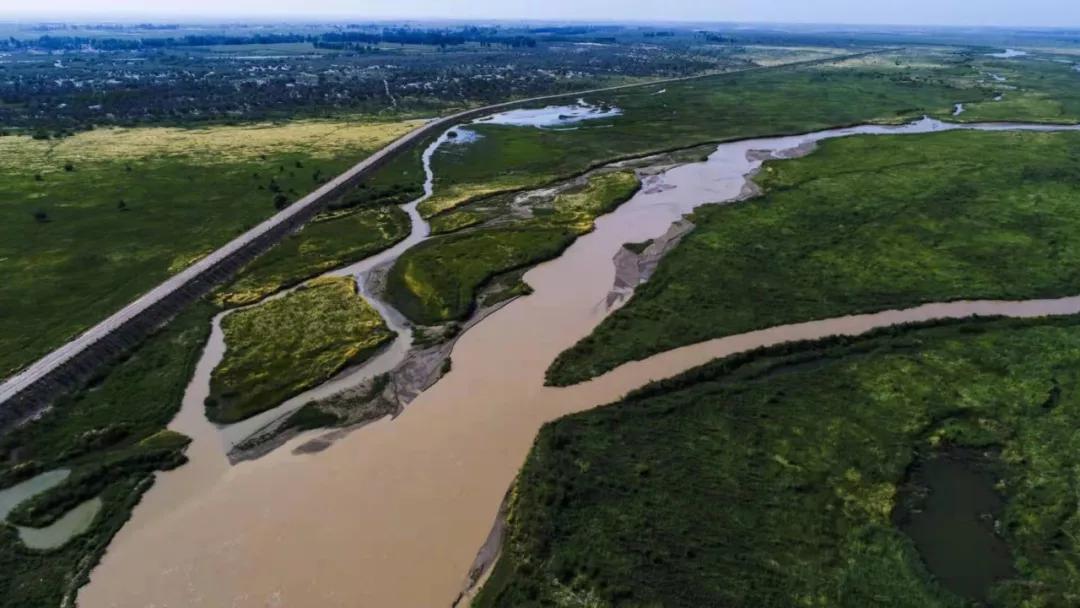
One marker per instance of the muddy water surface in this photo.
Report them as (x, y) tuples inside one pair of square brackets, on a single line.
[(392, 515)]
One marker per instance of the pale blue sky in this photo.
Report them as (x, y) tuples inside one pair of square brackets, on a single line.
[(916, 12)]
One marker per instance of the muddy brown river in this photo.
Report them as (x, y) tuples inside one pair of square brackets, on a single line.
[(392, 514)]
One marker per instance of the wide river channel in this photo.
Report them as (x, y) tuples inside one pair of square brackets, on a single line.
[(392, 514)]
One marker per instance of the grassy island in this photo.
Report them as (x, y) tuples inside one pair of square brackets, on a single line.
[(438, 280), (281, 347)]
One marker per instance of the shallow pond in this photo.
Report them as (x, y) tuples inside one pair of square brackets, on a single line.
[(74, 522), (11, 497), (1007, 54), (948, 508), (550, 116), (461, 136)]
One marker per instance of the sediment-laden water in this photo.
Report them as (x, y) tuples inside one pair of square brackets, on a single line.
[(392, 514)]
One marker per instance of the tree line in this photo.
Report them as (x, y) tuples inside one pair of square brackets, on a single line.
[(427, 37)]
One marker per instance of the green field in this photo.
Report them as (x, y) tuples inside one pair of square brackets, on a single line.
[(863, 224), (281, 347), (90, 222), (770, 479), (439, 279), (324, 244), (112, 438)]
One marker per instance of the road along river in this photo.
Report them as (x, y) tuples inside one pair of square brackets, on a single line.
[(392, 514)]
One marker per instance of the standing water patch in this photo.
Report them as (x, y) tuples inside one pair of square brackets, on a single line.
[(948, 507), (74, 522), (551, 116), (1007, 54), (11, 497)]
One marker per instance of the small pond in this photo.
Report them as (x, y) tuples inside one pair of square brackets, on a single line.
[(461, 136), (73, 523), (948, 507), (1008, 54), (11, 497), (551, 116)]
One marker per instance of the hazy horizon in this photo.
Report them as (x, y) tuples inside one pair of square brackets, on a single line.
[(917, 13)]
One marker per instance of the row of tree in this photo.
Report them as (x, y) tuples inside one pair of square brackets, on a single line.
[(428, 37)]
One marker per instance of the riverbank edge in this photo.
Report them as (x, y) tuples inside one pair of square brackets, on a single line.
[(751, 190), (793, 353)]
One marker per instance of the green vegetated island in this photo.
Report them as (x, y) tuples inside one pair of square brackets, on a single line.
[(95, 223), (289, 344), (437, 281)]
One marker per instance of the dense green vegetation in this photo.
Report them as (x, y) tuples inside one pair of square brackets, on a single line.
[(111, 436), (323, 244), (768, 479), (891, 87), (862, 224), (89, 223), (281, 347), (438, 280), (1031, 88)]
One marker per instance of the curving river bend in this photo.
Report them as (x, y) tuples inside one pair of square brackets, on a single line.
[(392, 514)]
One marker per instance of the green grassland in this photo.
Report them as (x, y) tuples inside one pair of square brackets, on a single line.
[(281, 347), (1035, 88), (438, 280), (891, 87), (325, 243), (89, 222), (769, 479), (112, 437), (862, 224)]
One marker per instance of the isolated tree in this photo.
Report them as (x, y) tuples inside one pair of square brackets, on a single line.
[(69, 166), (122, 206), (280, 201), (41, 216)]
